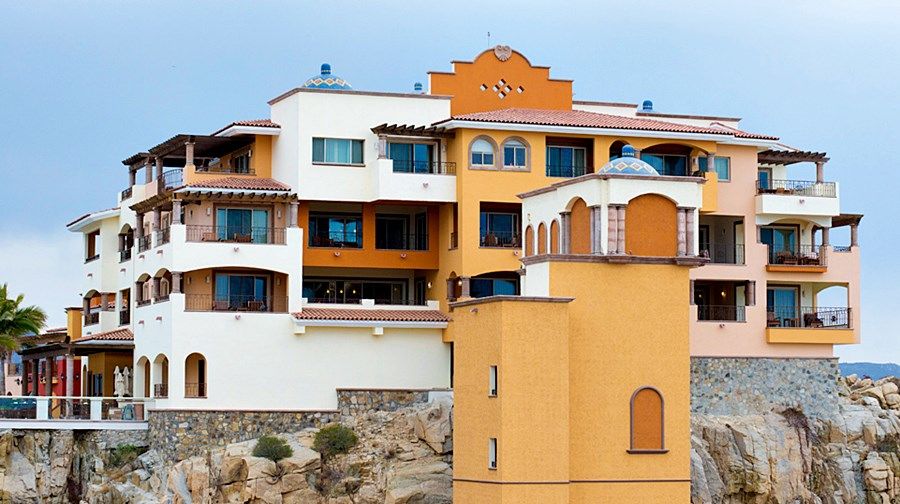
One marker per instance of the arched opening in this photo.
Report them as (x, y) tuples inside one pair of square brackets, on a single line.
[(195, 376), (542, 239), (163, 279), (454, 287), (142, 378), (92, 307), (647, 421), (126, 242), (651, 226), (554, 237), (161, 376), (580, 230), (143, 290), (615, 150), (495, 283), (529, 241), (515, 153)]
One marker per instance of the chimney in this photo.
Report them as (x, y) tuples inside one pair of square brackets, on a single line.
[(73, 322), (417, 87)]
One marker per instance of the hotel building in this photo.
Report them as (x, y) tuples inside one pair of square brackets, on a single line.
[(563, 265)]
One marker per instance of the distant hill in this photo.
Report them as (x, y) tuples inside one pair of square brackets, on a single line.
[(870, 369)]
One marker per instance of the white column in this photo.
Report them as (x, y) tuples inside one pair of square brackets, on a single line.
[(596, 228), (465, 294), (564, 238), (682, 235), (70, 375), (292, 214), (176, 212), (176, 282), (854, 235), (148, 172), (189, 154), (159, 167), (382, 147), (820, 171), (620, 235)]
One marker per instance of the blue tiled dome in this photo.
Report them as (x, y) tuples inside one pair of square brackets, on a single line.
[(628, 164), (325, 80)]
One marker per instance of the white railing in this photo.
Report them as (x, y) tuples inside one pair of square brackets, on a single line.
[(68, 408)]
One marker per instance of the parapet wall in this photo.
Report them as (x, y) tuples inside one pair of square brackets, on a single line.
[(744, 386)]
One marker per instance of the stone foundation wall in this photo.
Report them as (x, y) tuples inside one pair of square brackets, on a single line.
[(180, 434), (357, 401), (742, 386)]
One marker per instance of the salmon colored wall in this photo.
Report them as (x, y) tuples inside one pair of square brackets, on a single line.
[(260, 162), (465, 82), (368, 256), (651, 227), (580, 233), (529, 241), (554, 237), (542, 239)]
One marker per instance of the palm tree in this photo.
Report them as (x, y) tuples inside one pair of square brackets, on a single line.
[(15, 322)]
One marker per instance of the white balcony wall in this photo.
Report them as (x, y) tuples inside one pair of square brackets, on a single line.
[(388, 185), (778, 206)]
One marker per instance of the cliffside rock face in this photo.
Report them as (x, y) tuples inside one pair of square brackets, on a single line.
[(403, 457), (782, 456)]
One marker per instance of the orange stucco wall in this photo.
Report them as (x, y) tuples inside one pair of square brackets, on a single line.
[(580, 233), (651, 226), (523, 85)]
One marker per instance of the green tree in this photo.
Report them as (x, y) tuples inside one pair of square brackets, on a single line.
[(16, 321)]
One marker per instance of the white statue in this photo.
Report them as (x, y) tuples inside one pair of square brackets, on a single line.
[(119, 389), (127, 375)]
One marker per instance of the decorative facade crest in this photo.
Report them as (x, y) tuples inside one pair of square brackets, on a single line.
[(502, 52)]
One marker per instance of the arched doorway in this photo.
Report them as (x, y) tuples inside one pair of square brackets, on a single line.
[(195, 376)]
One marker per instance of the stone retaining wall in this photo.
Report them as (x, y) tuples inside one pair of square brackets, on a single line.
[(180, 434), (743, 386), (356, 401)]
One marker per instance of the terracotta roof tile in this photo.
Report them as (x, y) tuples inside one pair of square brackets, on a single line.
[(246, 183), (121, 334), (85, 216), (257, 123), (373, 315), (585, 119)]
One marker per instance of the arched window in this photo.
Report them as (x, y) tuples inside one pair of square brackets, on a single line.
[(542, 239), (482, 153), (195, 376), (515, 154), (529, 241), (647, 429)]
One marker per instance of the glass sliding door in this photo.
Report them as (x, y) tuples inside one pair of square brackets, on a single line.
[(783, 306), (411, 157), (249, 225), (238, 292), (566, 161), (499, 229), (782, 242), (667, 164)]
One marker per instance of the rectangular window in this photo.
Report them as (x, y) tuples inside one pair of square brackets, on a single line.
[(483, 158), (412, 157), (764, 179), (343, 231), (484, 287), (492, 453), (92, 246), (723, 167), (499, 229), (351, 291), (250, 225), (492, 382), (337, 151), (667, 164), (514, 155), (241, 292), (566, 161), (241, 163)]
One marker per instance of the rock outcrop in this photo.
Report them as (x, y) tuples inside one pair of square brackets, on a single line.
[(781, 456)]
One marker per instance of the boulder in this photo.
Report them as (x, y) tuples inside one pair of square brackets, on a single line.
[(434, 425)]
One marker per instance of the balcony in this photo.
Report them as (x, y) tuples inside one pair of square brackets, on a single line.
[(125, 194), (91, 318), (803, 258), (568, 171), (144, 302), (401, 241), (144, 243), (195, 390), (226, 169), (162, 236), (797, 197), (233, 234), (124, 255), (336, 239), (721, 313), (427, 167), (171, 179), (722, 253), (91, 258), (161, 390), (810, 325), (797, 188), (235, 303), (500, 239), (124, 317)]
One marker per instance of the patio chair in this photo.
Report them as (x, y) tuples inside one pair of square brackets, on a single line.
[(772, 320), (812, 320)]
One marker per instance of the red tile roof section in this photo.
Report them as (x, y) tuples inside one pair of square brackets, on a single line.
[(246, 183), (256, 123), (585, 119), (114, 335), (371, 315)]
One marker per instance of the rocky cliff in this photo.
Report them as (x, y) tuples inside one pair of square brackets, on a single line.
[(774, 457)]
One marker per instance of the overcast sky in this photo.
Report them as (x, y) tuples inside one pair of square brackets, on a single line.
[(85, 84)]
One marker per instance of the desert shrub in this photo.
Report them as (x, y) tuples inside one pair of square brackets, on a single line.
[(124, 454), (334, 439), (272, 448)]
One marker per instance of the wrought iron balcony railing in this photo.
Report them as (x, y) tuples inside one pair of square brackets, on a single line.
[(431, 167), (808, 317), (565, 171), (500, 239), (236, 303), (235, 234), (722, 313), (797, 188), (803, 255), (723, 253)]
